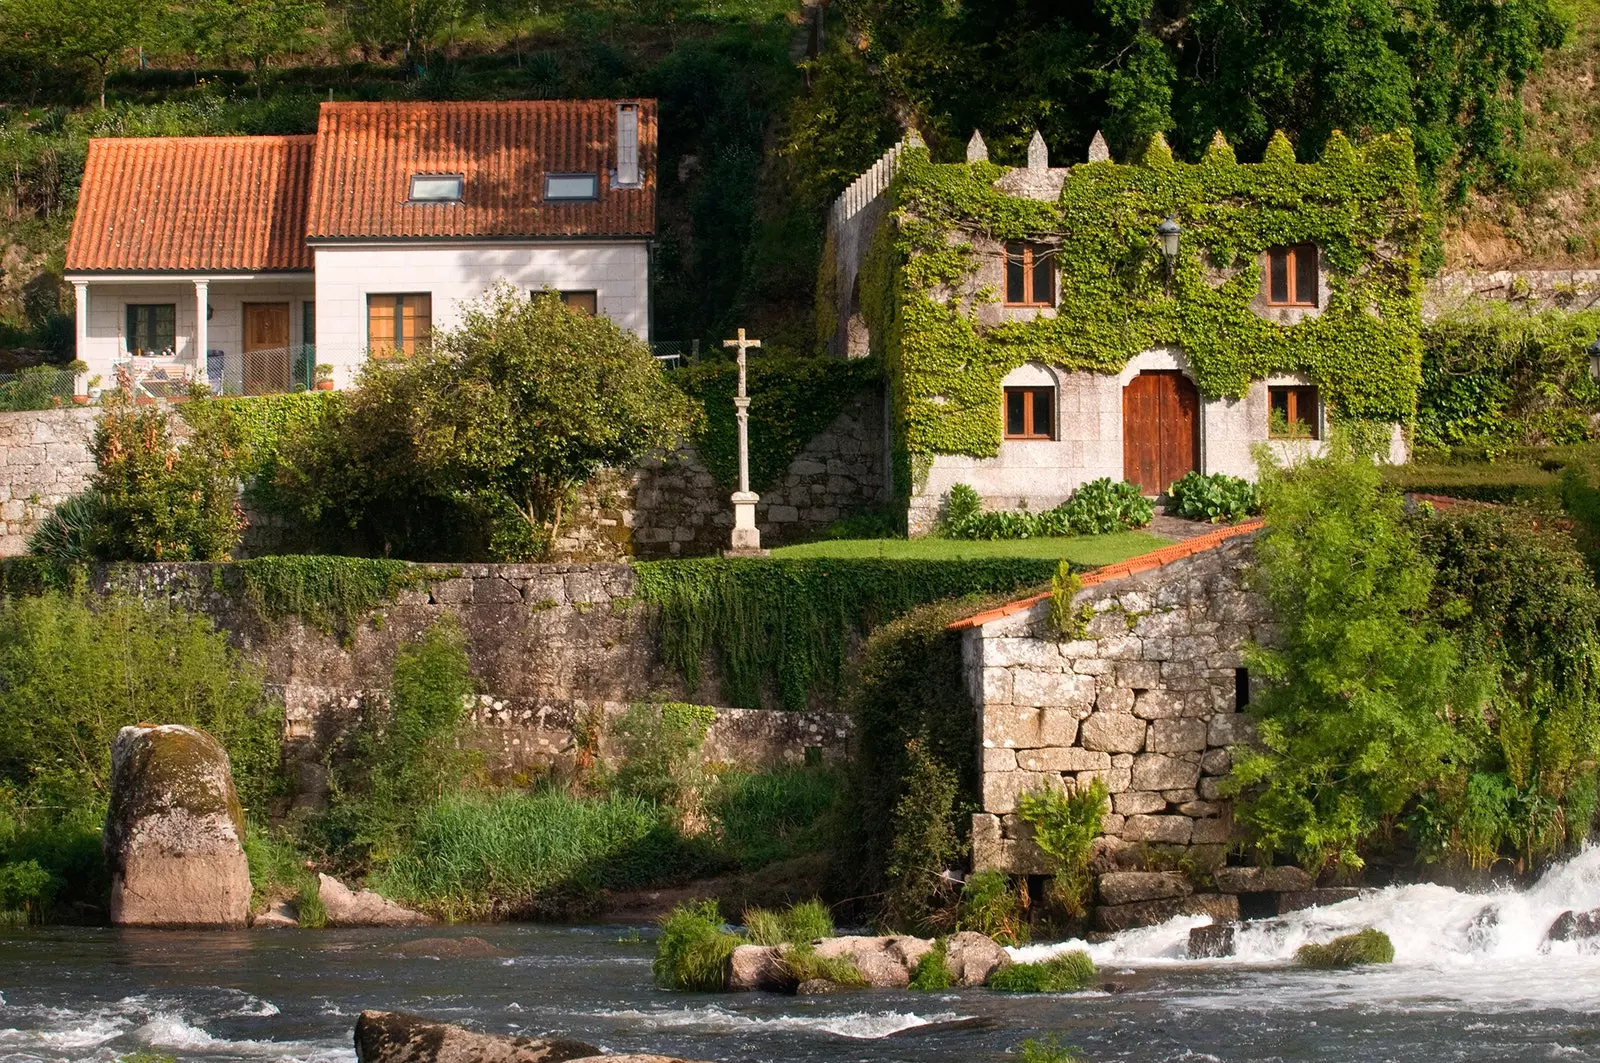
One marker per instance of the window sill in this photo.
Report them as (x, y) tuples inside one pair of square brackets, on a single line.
[(1029, 439)]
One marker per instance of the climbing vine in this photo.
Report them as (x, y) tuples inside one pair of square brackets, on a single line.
[(920, 295), (332, 594)]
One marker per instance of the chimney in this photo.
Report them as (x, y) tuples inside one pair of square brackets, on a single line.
[(627, 145)]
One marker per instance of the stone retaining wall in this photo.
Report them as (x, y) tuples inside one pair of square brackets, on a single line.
[(44, 460), (1147, 699), (555, 649), (1532, 289)]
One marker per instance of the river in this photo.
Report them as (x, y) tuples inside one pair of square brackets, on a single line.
[(1466, 985)]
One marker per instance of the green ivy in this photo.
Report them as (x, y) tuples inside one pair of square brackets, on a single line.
[(790, 622), (791, 400), (332, 594), (1360, 206)]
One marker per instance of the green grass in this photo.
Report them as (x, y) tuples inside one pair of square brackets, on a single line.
[(692, 955), (1352, 950), (1085, 551), (1066, 973), (932, 972), (801, 924)]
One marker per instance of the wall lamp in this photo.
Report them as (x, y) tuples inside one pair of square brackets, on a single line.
[(1170, 233)]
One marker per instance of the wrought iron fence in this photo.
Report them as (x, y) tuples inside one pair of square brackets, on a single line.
[(40, 387)]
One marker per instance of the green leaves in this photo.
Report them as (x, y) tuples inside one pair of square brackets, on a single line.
[(1215, 498), (1099, 507)]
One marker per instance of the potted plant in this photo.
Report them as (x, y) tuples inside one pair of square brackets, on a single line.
[(324, 377), (77, 367)]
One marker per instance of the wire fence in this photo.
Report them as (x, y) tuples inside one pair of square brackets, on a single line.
[(673, 354), (40, 387), (268, 371)]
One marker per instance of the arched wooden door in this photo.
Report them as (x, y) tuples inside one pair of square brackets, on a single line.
[(1160, 429)]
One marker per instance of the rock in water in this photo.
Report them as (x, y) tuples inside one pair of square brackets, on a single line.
[(753, 967), (1574, 926), (347, 907), (1212, 942), (447, 948), (395, 1037), (173, 832), (972, 957)]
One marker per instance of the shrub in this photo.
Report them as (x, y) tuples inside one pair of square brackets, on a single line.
[(766, 816), (1215, 498), (1097, 508), (27, 892), (991, 904), (802, 964), (925, 841), (660, 745), (1351, 950), (694, 950), (1065, 973), (932, 974), (1050, 1050), (66, 536), (799, 924), (1065, 825)]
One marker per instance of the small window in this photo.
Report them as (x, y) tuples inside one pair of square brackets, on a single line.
[(571, 186), (436, 188), (1030, 413), (1292, 412), (1241, 689), (399, 325), (152, 328), (1292, 275), (588, 302), (1030, 275)]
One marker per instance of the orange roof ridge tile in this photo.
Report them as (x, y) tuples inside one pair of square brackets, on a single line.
[(1119, 570)]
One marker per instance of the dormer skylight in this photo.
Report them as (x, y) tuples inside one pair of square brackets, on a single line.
[(436, 188), (571, 186)]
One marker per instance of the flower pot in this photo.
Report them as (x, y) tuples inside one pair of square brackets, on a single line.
[(324, 385)]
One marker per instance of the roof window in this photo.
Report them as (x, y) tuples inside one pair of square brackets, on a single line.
[(559, 186), (436, 188)]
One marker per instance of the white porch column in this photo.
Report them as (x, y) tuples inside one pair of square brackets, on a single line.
[(80, 299), (202, 338)]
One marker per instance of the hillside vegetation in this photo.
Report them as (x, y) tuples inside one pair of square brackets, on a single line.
[(764, 118)]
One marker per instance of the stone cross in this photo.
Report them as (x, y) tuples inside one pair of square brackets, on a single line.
[(746, 536)]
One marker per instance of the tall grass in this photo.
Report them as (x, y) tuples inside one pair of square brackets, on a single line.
[(769, 816)]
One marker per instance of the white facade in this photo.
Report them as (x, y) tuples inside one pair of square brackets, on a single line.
[(617, 271)]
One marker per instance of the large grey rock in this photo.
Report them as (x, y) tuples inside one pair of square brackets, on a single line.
[(1222, 908), (347, 907), (396, 1037), (1295, 900), (1262, 880), (1575, 926), (279, 914), (1129, 887), (757, 967), (1212, 942), (882, 961), (972, 957), (174, 830)]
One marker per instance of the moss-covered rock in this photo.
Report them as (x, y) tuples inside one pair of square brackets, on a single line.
[(173, 832), (1351, 950)]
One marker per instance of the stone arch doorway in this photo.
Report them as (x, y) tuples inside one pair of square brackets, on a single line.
[(1160, 429)]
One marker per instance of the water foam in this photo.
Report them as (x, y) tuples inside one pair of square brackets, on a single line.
[(1451, 947), (857, 1025)]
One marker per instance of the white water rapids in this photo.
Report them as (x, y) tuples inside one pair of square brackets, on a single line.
[(1452, 949)]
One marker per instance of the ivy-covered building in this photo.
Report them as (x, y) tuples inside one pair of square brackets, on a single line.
[(1044, 326)]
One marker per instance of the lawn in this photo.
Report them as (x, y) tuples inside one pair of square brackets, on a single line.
[(1084, 551)]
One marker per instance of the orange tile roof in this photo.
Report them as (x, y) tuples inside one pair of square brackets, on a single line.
[(368, 152), (1133, 565), (224, 204)]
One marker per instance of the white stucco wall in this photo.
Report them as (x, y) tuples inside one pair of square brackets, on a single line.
[(454, 274), (1088, 443), (106, 342)]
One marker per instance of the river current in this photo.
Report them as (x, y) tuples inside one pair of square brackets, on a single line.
[(1471, 981)]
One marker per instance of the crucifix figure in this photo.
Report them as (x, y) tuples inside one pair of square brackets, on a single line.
[(746, 536)]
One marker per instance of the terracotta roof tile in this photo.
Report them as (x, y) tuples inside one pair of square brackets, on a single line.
[(226, 204), (368, 152), (1133, 565)]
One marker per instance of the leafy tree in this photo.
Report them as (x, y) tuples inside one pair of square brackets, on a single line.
[(1357, 700), (92, 31), (412, 25), (256, 31), (501, 420)]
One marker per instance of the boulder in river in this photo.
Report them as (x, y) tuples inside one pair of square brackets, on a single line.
[(396, 1037), (757, 967), (1262, 880), (1574, 926), (1212, 942), (972, 957), (1221, 907), (347, 907), (446, 948), (1351, 950), (885, 962), (1131, 887), (280, 914), (173, 833)]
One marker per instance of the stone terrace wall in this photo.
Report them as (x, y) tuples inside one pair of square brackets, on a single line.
[(1146, 700), (44, 460), (554, 648), (1532, 289)]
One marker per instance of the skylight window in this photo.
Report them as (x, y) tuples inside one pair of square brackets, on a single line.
[(436, 188), (571, 186)]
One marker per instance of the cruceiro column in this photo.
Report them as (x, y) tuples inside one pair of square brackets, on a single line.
[(746, 536)]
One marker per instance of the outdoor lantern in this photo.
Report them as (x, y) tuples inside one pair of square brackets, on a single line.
[(1594, 358), (1169, 231)]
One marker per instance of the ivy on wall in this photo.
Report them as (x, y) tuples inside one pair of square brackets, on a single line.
[(1358, 205), (792, 399)]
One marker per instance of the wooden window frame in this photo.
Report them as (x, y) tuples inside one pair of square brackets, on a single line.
[(1031, 255), (1291, 255), (420, 339), (573, 299), (1030, 400), (132, 312), (1294, 396)]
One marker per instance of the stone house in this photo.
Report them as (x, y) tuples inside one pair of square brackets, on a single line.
[(248, 261), (1149, 699), (1044, 326)]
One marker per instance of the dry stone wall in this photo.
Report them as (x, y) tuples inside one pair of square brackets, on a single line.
[(44, 460), (1147, 699)]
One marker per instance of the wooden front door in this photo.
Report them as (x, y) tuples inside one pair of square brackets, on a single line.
[(1160, 430), (266, 348)]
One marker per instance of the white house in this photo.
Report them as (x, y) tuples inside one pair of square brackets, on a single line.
[(253, 260)]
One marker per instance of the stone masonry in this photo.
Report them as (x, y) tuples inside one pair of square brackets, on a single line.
[(44, 460), (1147, 699)]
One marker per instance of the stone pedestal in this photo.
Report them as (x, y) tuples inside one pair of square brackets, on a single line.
[(746, 536)]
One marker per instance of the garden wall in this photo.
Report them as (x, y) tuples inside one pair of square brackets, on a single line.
[(44, 459), (554, 649), (1532, 289)]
